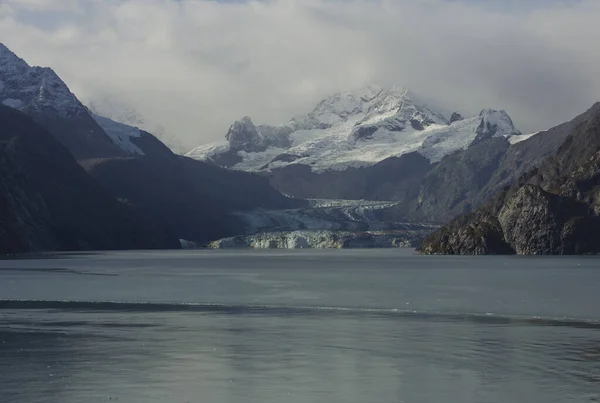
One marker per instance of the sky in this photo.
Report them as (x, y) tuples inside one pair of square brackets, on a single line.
[(195, 66)]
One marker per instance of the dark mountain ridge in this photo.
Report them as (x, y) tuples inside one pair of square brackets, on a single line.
[(162, 196), (48, 202)]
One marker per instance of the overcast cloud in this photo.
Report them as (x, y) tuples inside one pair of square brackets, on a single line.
[(195, 66)]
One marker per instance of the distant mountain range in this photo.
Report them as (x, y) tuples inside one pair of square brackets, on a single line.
[(386, 144), (355, 129), (375, 167)]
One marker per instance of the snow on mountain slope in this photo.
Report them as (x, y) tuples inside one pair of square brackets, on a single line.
[(34, 88), (40, 93), (354, 129), (522, 137), (120, 134), (118, 110)]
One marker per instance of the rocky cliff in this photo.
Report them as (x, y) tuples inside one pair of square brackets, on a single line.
[(553, 209)]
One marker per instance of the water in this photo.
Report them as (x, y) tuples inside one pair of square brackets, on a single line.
[(299, 326)]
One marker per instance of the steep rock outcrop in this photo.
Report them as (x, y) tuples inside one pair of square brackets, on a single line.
[(536, 222), (550, 210), (480, 234), (456, 117)]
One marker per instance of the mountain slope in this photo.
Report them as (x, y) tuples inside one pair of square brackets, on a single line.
[(188, 198), (376, 144), (48, 202), (117, 110), (554, 209), (41, 94), (353, 129)]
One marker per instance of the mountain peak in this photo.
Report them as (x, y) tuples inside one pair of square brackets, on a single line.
[(456, 117), (368, 105), (34, 88), (495, 123), (242, 135), (10, 62), (353, 129), (5, 52)]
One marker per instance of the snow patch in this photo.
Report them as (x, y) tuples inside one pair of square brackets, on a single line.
[(206, 152), (120, 134), (13, 103), (522, 137)]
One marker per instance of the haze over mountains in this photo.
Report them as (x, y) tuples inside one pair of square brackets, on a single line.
[(141, 180), (385, 144), (374, 167)]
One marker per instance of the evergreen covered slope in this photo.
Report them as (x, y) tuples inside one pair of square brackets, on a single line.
[(554, 209)]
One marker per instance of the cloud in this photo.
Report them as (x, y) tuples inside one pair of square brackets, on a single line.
[(196, 65)]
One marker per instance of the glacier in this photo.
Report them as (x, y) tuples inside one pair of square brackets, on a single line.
[(325, 224)]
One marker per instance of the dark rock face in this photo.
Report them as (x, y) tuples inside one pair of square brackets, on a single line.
[(536, 222), (551, 210), (364, 133), (461, 237), (456, 117), (418, 125), (242, 135), (48, 202), (452, 187)]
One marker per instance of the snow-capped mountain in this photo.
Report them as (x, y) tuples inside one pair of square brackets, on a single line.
[(354, 129), (40, 93), (120, 111), (34, 88), (103, 130)]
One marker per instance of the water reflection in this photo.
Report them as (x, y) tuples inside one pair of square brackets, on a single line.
[(70, 356)]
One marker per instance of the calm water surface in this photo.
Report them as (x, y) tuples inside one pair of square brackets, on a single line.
[(299, 326)]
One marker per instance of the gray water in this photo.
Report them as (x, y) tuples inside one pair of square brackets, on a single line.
[(299, 326)]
